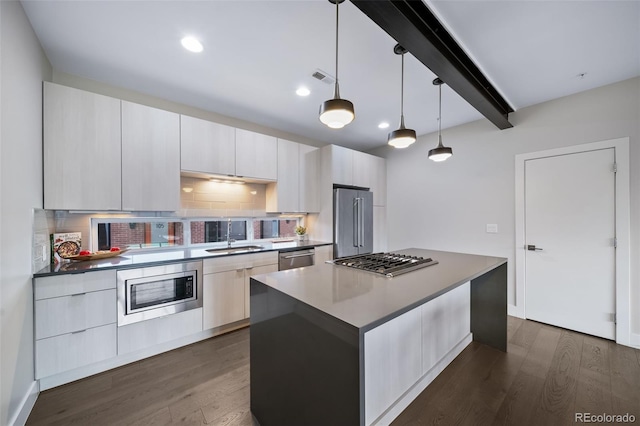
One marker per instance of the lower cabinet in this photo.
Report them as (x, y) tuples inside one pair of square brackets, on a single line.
[(323, 253), (146, 334), (226, 286), (401, 352), (75, 321)]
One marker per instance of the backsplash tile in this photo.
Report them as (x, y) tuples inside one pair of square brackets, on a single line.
[(221, 199), (43, 227)]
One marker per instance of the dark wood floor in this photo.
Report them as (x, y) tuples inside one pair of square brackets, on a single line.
[(547, 375)]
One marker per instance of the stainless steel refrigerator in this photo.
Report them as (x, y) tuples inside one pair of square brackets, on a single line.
[(352, 222)]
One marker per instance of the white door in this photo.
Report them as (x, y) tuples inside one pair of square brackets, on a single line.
[(570, 219)]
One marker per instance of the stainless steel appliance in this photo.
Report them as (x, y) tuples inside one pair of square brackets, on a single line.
[(153, 292), (387, 264), (352, 222), (296, 259)]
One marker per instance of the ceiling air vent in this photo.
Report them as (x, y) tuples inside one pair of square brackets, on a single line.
[(323, 76)]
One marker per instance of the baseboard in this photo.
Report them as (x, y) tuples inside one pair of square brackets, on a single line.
[(635, 340), (403, 402), (26, 405), (514, 311)]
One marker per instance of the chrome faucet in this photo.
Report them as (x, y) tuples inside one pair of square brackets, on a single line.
[(229, 239)]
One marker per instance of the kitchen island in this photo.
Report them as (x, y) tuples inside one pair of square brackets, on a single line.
[(334, 345)]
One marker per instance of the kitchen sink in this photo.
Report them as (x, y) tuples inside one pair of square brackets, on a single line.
[(236, 249)]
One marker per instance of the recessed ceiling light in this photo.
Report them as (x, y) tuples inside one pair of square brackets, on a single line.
[(191, 44), (383, 125), (303, 91)]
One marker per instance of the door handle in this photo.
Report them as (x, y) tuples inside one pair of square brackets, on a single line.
[(532, 247)]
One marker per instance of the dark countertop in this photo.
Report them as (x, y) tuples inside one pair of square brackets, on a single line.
[(364, 299), (133, 259)]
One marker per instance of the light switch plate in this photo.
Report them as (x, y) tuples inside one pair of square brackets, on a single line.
[(492, 228)]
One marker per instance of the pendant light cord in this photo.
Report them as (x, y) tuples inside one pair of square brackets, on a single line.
[(402, 89), (337, 87)]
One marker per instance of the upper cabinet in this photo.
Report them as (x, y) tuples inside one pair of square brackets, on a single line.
[(355, 168), (256, 155), (207, 147), (150, 158), (81, 150), (296, 188)]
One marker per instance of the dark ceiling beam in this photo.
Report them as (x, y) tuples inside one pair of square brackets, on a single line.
[(416, 28)]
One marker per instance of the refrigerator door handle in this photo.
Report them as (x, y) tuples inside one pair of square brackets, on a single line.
[(356, 225), (361, 223)]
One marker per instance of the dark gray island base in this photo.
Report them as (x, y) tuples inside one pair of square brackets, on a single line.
[(312, 329)]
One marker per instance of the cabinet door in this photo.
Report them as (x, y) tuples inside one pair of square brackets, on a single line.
[(256, 155), (150, 158), (379, 228), (283, 196), (207, 147), (342, 165), (379, 181), (223, 298), (324, 253), (68, 351), (81, 136), (257, 270), (392, 361), (363, 169), (309, 173)]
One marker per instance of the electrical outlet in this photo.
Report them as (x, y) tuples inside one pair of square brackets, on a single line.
[(492, 228)]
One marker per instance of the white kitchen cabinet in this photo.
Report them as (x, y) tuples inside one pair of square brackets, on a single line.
[(226, 286), (284, 195), (342, 165), (207, 147), (379, 229), (150, 158), (309, 178), (256, 155), (149, 333), (81, 150), (68, 351), (75, 321), (446, 320), (296, 188), (379, 181), (392, 362), (224, 296), (322, 254)]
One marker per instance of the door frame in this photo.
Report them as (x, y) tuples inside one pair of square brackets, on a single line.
[(622, 226)]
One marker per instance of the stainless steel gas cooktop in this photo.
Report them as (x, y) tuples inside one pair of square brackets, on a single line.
[(387, 264)]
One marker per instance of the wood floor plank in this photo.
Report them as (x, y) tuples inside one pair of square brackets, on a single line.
[(540, 352), (559, 391)]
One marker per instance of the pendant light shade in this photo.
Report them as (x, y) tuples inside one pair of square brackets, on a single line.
[(441, 152), (402, 137), (337, 113)]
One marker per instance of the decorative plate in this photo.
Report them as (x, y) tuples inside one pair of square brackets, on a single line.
[(103, 254)]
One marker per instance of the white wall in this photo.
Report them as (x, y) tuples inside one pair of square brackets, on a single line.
[(24, 66), (446, 206)]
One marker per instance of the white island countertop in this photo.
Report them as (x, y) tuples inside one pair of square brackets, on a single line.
[(365, 299)]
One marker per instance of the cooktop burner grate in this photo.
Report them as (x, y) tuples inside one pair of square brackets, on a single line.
[(388, 264)]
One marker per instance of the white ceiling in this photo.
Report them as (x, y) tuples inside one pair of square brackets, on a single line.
[(256, 53)]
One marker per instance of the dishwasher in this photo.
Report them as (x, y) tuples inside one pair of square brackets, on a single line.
[(296, 259)]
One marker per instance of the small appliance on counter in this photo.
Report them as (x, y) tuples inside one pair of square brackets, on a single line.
[(352, 222)]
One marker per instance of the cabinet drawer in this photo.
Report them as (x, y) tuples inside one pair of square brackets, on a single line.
[(229, 263), (66, 285), (68, 351), (60, 315), (145, 334)]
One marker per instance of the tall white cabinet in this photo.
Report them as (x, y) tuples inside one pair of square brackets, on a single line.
[(256, 155), (81, 149), (150, 158), (297, 186)]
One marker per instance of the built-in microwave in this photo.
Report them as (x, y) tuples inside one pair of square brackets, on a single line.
[(153, 292)]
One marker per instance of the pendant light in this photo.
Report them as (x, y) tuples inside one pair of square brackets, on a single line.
[(441, 152), (336, 113), (402, 137)]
